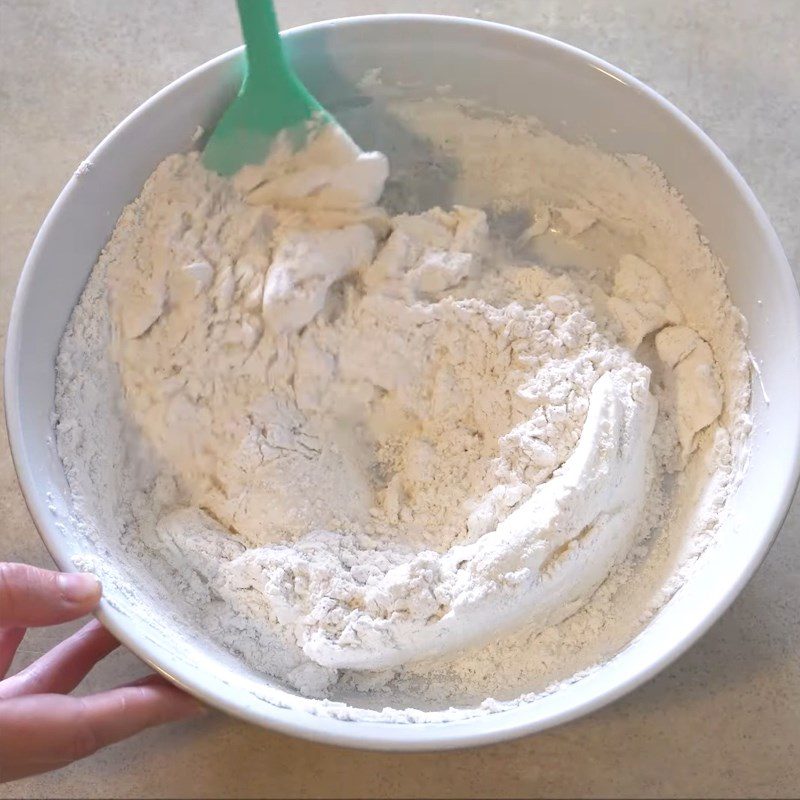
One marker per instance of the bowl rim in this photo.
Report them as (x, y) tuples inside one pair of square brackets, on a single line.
[(382, 736)]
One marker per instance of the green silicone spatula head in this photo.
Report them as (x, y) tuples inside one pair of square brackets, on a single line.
[(272, 98)]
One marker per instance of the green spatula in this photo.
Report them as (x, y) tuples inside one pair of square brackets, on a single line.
[(272, 98)]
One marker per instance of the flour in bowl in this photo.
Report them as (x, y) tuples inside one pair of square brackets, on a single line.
[(424, 454)]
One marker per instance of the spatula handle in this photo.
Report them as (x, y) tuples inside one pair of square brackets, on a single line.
[(265, 59)]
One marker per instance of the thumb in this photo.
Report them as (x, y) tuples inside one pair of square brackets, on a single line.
[(30, 596)]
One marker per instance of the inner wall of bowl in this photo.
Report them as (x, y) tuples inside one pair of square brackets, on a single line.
[(502, 69)]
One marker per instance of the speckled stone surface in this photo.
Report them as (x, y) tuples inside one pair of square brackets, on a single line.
[(724, 721)]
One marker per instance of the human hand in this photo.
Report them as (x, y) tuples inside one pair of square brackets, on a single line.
[(41, 726)]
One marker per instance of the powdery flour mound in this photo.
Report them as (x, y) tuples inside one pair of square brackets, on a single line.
[(447, 455)]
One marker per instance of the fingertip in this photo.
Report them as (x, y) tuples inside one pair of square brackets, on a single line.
[(80, 588), (186, 705), (96, 629), (179, 704), (191, 707), (31, 597)]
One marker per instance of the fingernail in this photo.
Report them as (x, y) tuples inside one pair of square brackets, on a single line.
[(78, 587)]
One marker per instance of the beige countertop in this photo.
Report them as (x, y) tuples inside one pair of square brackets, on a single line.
[(725, 719)]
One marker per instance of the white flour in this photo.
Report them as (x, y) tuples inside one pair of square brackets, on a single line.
[(385, 456)]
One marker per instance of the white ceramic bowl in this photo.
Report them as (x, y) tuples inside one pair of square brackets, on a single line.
[(574, 94)]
